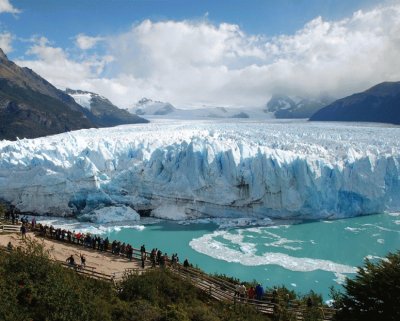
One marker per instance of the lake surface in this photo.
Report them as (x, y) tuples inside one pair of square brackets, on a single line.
[(314, 255)]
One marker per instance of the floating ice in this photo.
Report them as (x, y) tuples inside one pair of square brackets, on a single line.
[(354, 229), (209, 245)]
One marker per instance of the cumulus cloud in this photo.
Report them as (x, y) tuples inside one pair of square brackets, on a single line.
[(199, 63), (5, 42), (85, 42), (54, 64), (6, 6)]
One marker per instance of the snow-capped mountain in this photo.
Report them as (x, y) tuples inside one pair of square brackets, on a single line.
[(101, 110), (202, 168), (161, 110), (147, 106), (283, 106), (31, 107)]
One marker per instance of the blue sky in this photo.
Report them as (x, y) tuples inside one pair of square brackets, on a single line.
[(193, 53)]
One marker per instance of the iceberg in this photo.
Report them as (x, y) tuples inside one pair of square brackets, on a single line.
[(226, 169)]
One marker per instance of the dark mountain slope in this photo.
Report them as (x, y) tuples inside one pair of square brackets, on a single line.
[(31, 107), (104, 113), (380, 103)]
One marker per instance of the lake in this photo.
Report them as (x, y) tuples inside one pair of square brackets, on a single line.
[(311, 255)]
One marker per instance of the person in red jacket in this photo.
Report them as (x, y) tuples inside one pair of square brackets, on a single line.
[(251, 293)]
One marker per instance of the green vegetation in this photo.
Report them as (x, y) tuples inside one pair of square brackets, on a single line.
[(34, 288), (374, 294)]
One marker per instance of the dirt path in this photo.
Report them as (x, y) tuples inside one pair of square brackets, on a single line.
[(106, 263)]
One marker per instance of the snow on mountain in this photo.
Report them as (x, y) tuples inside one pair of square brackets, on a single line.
[(156, 110), (147, 106), (84, 99), (102, 111), (226, 168), (283, 106)]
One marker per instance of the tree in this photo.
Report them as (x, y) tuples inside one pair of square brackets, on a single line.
[(374, 294)]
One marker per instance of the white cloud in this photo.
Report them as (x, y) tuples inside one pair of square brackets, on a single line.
[(195, 63), (54, 64), (86, 42), (6, 6), (5, 42)]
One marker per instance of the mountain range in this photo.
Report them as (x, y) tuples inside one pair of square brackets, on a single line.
[(158, 109), (101, 111), (32, 107), (380, 103), (284, 106)]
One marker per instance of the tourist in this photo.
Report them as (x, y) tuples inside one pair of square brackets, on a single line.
[(242, 291), (186, 263), (153, 256), (23, 230), (237, 290), (159, 255), (70, 260), (143, 258), (83, 260), (259, 292), (33, 223), (251, 293)]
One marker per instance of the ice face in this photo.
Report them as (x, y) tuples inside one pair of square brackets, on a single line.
[(220, 169)]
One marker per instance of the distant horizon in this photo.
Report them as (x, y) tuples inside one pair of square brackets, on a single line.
[(232, 54)]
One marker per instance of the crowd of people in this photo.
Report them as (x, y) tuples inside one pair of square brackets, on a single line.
[(96, 242)]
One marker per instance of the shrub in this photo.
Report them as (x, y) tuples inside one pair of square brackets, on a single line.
[(374, 293)]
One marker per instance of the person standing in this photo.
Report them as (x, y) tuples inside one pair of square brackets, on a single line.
[(83, 261), (23, 231), (259, 291)]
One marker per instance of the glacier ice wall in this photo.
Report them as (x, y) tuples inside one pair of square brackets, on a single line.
[(276, 169)]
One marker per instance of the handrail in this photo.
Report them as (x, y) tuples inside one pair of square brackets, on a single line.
[(221, 289), (208, 284)]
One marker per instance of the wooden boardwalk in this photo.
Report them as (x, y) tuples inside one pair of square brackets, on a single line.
[(217, 288)]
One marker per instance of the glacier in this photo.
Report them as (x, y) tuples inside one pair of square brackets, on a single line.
[(193, 169)]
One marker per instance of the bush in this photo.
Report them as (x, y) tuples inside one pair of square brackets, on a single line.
[(374, 293)]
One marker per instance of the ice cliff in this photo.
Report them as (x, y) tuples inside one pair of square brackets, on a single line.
[(241, 168)]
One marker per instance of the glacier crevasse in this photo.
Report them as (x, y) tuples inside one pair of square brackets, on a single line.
[(275, 169)]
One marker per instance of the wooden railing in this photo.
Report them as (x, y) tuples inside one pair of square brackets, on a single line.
[(217, 288), (9, 228), (223, 290)]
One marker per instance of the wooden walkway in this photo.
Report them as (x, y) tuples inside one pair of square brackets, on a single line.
[(217, 288), (223, 290)]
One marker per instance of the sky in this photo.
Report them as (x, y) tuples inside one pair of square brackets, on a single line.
[(205, 53)]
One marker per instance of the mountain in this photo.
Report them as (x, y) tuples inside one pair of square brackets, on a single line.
[(147, 106), (283, 106), (380, 103), (101, 111), (31, 107), (159, 110)]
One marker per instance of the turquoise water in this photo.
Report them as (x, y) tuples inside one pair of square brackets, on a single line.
[(315, 255), (304, 256)]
